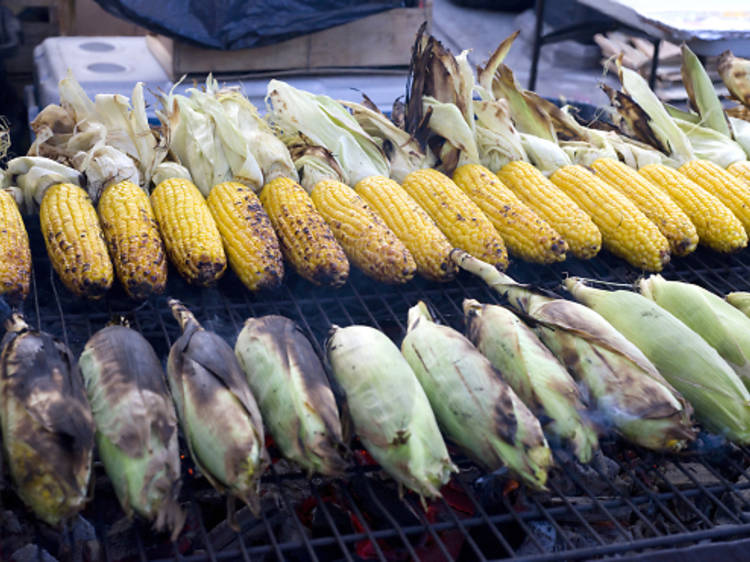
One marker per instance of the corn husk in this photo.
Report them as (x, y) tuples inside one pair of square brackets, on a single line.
[(474, 406), (293, 393), (735, 73), (28, 178), (683, 357), (389, 410), (741, 301), (701, 93), (533, 372), (167, 170), (47, 427), (627, 391)]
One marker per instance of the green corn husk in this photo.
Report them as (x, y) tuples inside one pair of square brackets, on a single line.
[(533, 372), (136, 425), (295, 399), (627, 390), (683, 357), (474, 406), (724, 327), (217, 412), (47, 427), (741, 301), (389, 410), (735, 73)]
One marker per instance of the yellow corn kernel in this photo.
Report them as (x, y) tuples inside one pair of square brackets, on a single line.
[(305, 238), (75, 242), (626, 232), (671, 221), (249, 239), (726, 187), (525, 234), (553, 205), (460, 219), (716, 225), (428, 246), (740, 169), (133, 239), (15, 255), (189, 231), (369, 243)]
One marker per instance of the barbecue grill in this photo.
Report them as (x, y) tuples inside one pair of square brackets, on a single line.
[(626, 502)]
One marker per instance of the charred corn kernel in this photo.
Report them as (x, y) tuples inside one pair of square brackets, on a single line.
[(740, 169), (460, 219), (133, 239), (249, 240), (428, 245), (728, 188), (656, 204), (75, 242), (15, 255), (369, 243), (305, 238), (525, 234), (626, 231), (553, 205), (716, 225), (190, 233)]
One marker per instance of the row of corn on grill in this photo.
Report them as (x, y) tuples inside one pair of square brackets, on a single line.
[(645, 361), (389, 231)]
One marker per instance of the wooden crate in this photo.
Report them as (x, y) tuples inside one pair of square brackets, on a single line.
[(379, 40)]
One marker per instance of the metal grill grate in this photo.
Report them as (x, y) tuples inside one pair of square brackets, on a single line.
[(627, 501)]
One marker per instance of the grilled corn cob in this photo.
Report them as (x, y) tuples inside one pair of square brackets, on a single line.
[(657, 205), (460, 219), (525, 234), (367, 241), (683, 357), (217, 412), (627, 390), (136, 425), (389, 410), (294, 396), (75, 242), (474, 406), (249, 240), (133, 238), (305, 238), (553, 205), (427, 244), (15, 254), (716, 225), (533, 372), (189, 231), (740, 169), (626, 232), (47, 428), (728, 188)]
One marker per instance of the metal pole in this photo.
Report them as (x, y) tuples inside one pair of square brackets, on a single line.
[(537, 42), (654, 63)]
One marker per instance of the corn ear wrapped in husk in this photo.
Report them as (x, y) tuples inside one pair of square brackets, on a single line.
[(474, 406), (136, 425), (389, 410), (533, 372), (627, 390), (217, 412), (683, 357), (295, 399), (741, 301), (47, 427)]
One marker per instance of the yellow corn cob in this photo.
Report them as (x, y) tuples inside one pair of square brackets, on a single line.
[(249, 239), (729, 189), (189, 231), (133, 239), (553, 205), (305, 238), (740, 169), (369, 243), (526, 234), (428, 246), (716, 225), (74, 240), (671, 221), (460, 219), (15, 255), (625, 230)]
